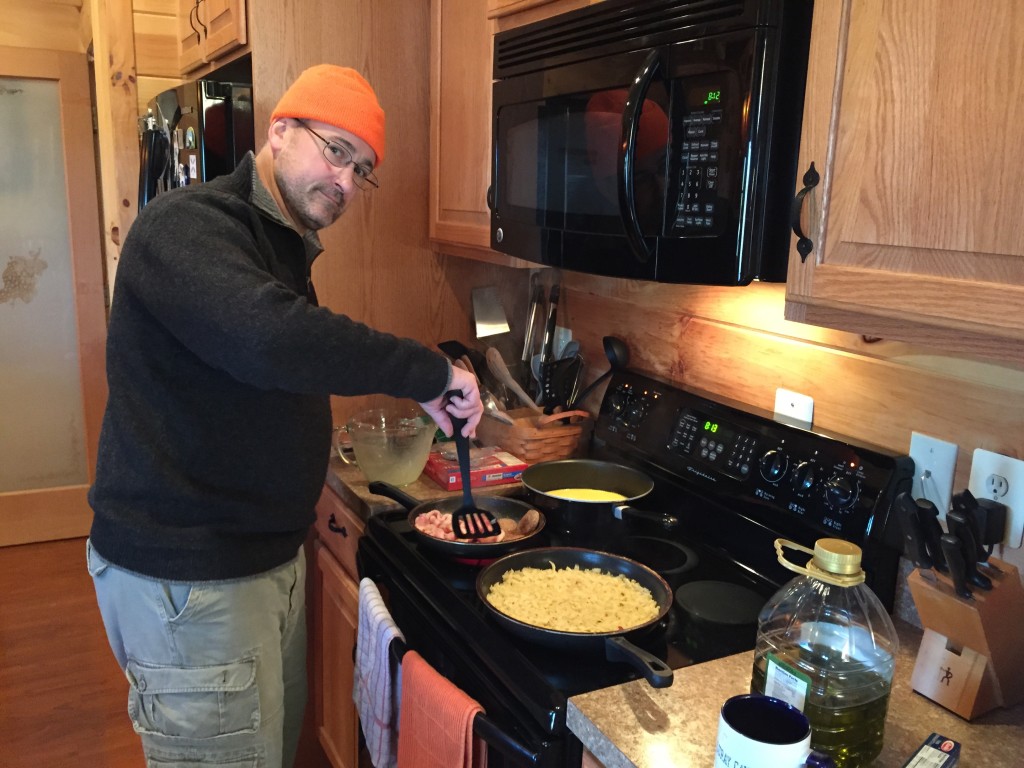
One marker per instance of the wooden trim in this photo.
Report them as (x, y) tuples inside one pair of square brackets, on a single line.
[(45, 515), (117, 120)]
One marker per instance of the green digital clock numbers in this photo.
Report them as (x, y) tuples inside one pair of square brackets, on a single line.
[(713, 97), (711, 426)]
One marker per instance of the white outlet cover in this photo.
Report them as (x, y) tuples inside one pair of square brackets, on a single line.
[(934, 468), (987, 463), (793, 405)]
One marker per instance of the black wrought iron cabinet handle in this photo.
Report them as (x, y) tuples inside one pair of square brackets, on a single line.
[(332, 524), (804, 244)]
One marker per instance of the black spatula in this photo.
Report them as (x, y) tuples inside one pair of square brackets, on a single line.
[(469, 521)]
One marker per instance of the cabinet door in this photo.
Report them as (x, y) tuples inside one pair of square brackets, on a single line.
[(336, 597), (190, 36), (913, 117), (225, 26), (460, 123)]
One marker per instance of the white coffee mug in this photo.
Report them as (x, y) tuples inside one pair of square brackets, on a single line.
[(756, 731)]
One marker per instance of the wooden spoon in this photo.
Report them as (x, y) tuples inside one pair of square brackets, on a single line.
[(497, 367)]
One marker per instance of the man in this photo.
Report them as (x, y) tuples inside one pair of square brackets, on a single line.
[(216, 436)]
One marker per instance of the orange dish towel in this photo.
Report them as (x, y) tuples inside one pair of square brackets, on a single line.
[(435, 725)]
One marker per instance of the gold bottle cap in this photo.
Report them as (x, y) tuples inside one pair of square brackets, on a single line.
[(837, 556)]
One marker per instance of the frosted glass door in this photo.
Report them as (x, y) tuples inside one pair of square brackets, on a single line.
[(41, 418), (52, 313)]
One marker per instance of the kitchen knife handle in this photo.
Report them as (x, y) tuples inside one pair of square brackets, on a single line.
[(955, 560), (913, 535), (928, 515), (956, 520), (968, 505)]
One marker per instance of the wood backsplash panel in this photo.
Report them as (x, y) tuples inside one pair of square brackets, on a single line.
[(736, 344)]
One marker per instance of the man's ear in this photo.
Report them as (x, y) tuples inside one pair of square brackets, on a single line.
[(276, 134)]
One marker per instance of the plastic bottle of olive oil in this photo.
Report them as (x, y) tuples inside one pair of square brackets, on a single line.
[(826, 644)]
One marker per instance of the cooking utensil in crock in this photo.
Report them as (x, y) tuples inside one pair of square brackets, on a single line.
[(497, 366), (617, 352), (591, 523), (617, 645), (502, 507), (469, 521)]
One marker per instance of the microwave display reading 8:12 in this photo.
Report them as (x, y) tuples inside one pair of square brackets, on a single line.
[(713, 97)]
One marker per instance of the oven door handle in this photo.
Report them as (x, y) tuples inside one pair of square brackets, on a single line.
[(483, 727), (627, 156)]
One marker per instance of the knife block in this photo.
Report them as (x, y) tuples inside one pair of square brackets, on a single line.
[(970, 660)]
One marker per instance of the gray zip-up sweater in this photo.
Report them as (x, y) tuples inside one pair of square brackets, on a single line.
[(216, 436)]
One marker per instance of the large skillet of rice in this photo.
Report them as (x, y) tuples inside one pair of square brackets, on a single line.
[(573, 599)]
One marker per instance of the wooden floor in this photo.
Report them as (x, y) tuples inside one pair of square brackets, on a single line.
[(62, 696)]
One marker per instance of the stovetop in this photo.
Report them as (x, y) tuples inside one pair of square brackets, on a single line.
[(735, 478)]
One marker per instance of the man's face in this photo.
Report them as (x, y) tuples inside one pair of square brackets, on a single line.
[(314, 191)]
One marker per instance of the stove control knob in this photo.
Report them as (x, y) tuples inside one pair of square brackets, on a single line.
[(841, 491), (635, 413), (618, 401), (803, 477), (774, 465)]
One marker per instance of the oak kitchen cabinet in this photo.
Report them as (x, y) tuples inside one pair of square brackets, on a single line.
[(912, 116), (335, 618), (460, 123), (207, 30)]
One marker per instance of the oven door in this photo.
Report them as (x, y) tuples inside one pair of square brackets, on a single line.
[(510, 726)]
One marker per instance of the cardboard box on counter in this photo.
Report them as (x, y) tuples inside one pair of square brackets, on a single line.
[(488, 466)]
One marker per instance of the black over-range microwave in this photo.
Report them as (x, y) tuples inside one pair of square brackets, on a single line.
[(651, 139)]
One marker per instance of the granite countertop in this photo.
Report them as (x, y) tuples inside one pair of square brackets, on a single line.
[(636, 726)]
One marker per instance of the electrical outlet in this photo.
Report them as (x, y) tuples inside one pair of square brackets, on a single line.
[(934, 467), (793, 405), (1001, 478)]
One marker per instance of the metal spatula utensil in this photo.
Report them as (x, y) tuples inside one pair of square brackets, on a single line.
[(469, 521)]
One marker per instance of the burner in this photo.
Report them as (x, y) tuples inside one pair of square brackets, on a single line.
[(671, 560), (717, 618)]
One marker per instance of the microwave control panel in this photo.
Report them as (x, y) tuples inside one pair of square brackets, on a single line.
[(698, 159)]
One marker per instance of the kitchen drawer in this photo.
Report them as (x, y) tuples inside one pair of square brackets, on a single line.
[(339, 528)]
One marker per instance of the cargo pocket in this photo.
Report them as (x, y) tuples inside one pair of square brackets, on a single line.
[(193, 702)]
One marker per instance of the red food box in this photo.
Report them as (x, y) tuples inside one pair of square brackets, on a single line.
[(488, 466)]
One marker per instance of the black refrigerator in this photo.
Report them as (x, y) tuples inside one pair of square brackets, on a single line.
[(194, 133)]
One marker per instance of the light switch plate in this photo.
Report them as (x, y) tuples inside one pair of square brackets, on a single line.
[(794, 406), (986, 465), (934, 468)]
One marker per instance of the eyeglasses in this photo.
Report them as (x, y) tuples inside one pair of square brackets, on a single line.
[(340, 156)]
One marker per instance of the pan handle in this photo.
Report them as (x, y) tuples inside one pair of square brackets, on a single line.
[(389, 491), (654, 670), (667, 521)]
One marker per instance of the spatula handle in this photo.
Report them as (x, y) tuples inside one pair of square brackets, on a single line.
[(462, 451)]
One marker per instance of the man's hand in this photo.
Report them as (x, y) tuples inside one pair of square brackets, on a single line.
[(469, 406)]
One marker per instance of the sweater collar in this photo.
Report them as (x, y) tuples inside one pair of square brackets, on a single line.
[(265, 203)]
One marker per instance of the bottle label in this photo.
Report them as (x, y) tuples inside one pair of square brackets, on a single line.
[(785, 682)]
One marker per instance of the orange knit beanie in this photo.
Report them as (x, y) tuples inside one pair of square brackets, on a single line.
[(338, 96)]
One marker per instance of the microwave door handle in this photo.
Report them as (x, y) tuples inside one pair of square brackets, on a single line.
[(627, 156)]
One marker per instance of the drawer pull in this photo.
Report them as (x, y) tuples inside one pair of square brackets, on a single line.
[(332, 524)]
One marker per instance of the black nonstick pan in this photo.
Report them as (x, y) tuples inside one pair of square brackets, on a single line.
[(616, 645), (598, 524), (500, 506)]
